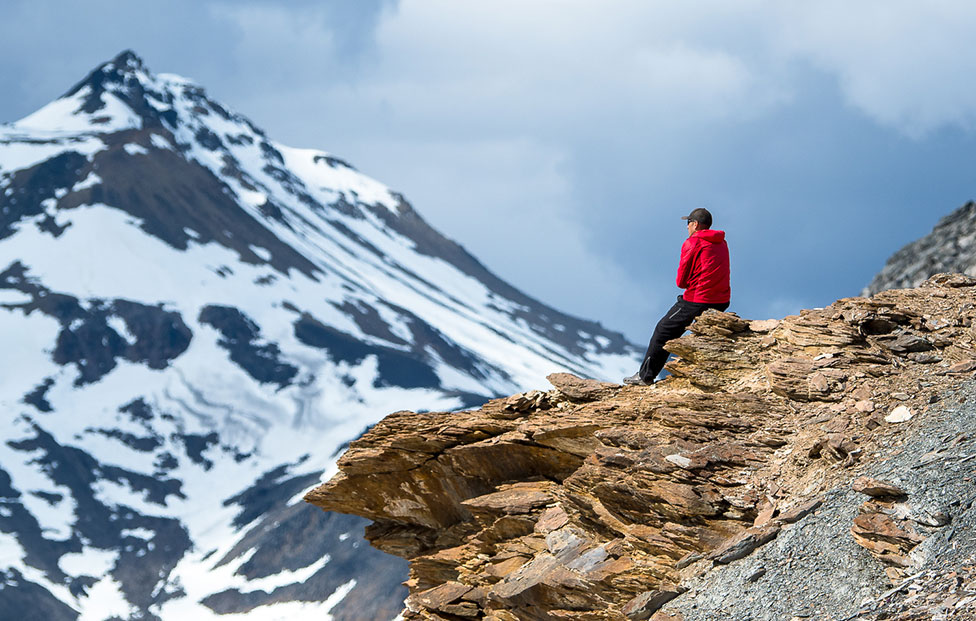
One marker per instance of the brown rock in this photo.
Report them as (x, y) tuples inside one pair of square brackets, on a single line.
[(716, 323), (544, 569), (818, 381), (864, 406), (440, 596), (763, 325), (552, 519), (744, 544), (906, 343), (799, 379), (765, 515), (580, 389), (876, 488), (924, 358), (884, 538), (667, 616), (462, 609), (518, 498), (800, 511), (501, 615), (949, 280), (647, 603), (962, 367)]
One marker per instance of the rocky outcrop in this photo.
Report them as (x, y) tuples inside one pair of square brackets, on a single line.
[(597, 501), (948, 248)]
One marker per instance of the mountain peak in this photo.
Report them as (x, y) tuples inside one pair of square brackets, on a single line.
[(128, 58), (123, 93), (122, 71)]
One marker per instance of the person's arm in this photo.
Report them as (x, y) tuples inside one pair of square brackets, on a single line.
[(688, 252)]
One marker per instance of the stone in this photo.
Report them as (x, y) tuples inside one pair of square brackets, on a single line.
[(906, 343), (552, 519), (962, 367), (544, 569), (864, 406), (901, 396), (519, 498), (525, 402), (819, 382), (744, 544), (647, 603), (680, 461), (900, 414), (688, 559), (862, 393), (949, 280), (932, 519), (580, 389), (884, 538), (872, 422), (670, 615), (442, 595), (876, 488), (763, 325), (717, 323), (765, 515), (800, 511)]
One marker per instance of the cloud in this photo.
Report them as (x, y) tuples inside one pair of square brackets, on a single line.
[(904, 63), (560, 139)]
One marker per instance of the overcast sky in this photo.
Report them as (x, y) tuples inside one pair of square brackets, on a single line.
[(560, 140)]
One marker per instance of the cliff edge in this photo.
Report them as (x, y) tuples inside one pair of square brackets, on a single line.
[(812, 467)]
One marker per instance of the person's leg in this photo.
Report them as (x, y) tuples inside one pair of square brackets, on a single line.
[(671, 326)]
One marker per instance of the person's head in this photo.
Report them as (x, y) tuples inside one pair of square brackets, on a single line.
[(698, 220)]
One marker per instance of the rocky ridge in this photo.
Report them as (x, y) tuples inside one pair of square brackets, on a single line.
[(948, 248), (816, 441)]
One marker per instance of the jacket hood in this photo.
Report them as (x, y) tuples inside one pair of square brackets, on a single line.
[(710, 235)]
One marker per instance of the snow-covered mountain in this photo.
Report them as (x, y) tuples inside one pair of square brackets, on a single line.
[(950, 247), (195, 320)]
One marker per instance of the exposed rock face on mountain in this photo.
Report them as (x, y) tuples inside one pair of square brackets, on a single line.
[(787, 469), (195, 321), (950, 247)]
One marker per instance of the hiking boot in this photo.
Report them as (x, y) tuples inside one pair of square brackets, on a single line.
[(635, 380)]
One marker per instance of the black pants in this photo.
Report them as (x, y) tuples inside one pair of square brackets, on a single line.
[(671, 326)]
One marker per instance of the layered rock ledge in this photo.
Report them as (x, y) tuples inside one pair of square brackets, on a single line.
[(599, 501)]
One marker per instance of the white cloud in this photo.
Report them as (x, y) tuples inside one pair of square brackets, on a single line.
[(906, 64), (584, 120), (511, 203)]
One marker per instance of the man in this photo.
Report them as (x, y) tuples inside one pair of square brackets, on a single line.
[(703, 273)]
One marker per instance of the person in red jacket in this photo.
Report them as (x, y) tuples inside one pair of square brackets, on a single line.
[(703, 273)]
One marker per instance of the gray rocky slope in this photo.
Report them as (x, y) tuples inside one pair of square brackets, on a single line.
[(950, 247)]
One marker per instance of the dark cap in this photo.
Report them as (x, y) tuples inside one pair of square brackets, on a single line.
[(701, 216)]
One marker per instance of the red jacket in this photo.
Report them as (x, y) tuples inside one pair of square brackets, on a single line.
[(704, 268)]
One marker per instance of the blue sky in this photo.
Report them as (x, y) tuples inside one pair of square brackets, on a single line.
[(560, 141)]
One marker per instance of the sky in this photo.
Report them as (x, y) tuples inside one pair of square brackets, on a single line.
[(560, 141)]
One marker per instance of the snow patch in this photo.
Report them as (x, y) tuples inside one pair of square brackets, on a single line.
[(159, 142), (135, 149), (89, 562)]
